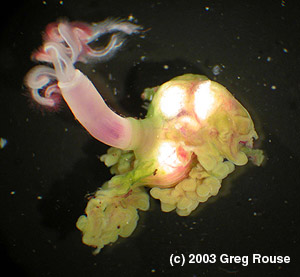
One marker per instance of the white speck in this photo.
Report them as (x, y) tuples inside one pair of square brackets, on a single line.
[(249, 199), (39, 197), (130, 17), (143, 58), (285, 50), (115, 91), (166, 67), (255, 213), (44, 3), (269, 59), (3, 143), (273, 87), (207, 8), (258, 57), (216, 70), (66, 129), (110, 77), (270, 140), (238, 77), (238, 37), (27, 119)]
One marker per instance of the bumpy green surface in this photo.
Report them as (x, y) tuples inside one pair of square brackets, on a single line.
[(205, 147)]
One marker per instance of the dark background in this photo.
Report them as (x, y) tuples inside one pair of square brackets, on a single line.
[(50, 163)]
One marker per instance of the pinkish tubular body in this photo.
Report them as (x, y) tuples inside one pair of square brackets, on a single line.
[(66, 43), (91, 111)]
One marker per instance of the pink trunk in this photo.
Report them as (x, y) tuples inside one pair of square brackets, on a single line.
[(91, 111)]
